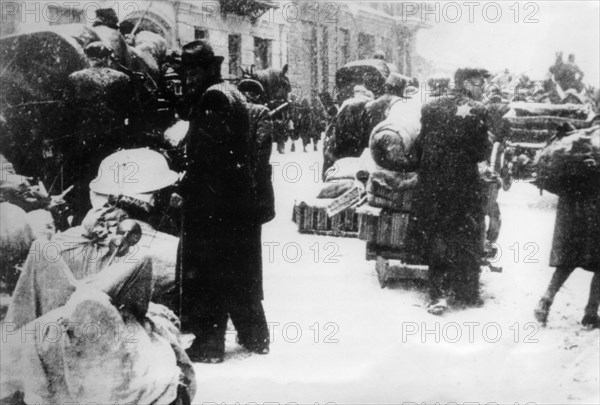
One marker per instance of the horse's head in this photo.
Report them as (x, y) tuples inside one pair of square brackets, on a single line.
[(275, 82)]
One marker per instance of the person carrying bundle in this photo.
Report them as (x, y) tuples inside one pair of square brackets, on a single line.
[(570, 167)]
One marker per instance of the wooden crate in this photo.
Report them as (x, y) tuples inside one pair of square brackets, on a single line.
[(311, 217), (387, 229)]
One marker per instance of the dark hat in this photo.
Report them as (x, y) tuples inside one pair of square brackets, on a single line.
[(469, 73), (108, 17), (198, 53), (97, 50), (250, 86)]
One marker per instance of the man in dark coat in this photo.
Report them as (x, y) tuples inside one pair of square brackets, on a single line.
[(220, 245), (106, 25), (306, 124), (261, 135), (452, 141)]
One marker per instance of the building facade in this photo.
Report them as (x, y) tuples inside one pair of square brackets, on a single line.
[(314, 38)]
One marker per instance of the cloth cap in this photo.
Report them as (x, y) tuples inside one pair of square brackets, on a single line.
[(198, 53), (133, 171), (108, 17)]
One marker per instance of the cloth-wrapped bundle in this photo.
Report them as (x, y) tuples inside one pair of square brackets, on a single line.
[(391, 146), (392, 140), (335, 189), (351, 168), (106, 344), (393, 190), (571, 162)]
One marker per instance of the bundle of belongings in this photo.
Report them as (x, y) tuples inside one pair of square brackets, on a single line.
[(570, 162), (345, 182), (84, 325), (25, 216), (573, 111), (392, 147), (388, 223)]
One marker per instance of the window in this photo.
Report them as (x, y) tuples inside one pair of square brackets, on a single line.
[(200, 33), (366, 45), (235, 54), (344, 47), (262, 53)]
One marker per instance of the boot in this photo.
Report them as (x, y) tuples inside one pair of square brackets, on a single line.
[(542, 310), (438, 307), (591, 321)]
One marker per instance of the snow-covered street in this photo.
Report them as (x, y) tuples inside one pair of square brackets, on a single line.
[(338, 337)]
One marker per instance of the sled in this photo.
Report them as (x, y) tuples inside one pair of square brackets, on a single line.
[(394, 242)]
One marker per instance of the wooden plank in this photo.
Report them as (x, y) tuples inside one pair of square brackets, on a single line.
[(388, 270)]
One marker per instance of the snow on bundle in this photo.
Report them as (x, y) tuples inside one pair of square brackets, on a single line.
[(391, 146), (145, 366), (16, 237), (392, 140), (393, 190), (576, 111), (351, 168), (571, 162)]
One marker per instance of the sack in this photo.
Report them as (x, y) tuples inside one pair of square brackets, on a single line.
[(391, 146), (343, 169), (571, 163), (336, 189)]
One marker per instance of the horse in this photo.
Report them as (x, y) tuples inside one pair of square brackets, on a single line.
[(275, 83)]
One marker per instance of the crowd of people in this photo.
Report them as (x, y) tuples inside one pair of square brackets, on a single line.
[(221, 189)]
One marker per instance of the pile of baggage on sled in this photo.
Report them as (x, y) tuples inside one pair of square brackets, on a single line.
[(533, 125), (372, 197)]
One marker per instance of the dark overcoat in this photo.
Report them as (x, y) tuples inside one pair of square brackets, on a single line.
[(576, 241), (221, 231), (261, 133), (452, 141)]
